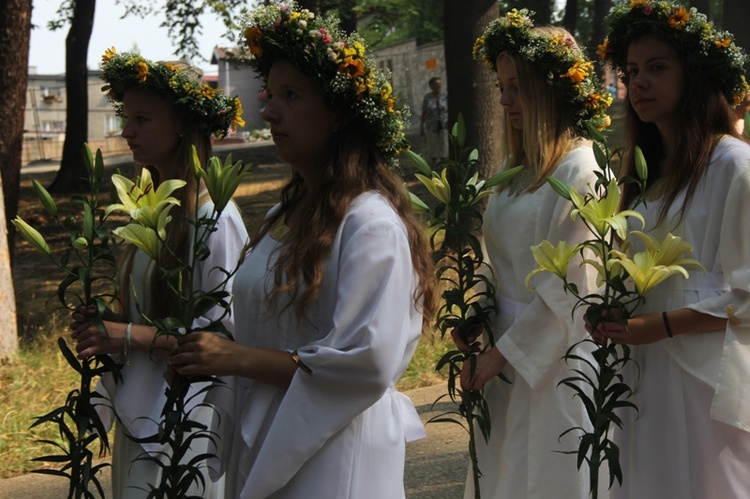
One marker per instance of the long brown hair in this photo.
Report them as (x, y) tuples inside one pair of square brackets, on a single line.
[(704, 116), (355, 167), (177, 244)]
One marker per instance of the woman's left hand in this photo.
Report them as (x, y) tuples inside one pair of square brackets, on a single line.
[(203, 354)]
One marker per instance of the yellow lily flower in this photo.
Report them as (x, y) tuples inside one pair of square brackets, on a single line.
[(438, 185), (601, 212), (32, 236), (221, 181), (143, 237), (141, 201), (644, 270), (552, 259), (669, 250)]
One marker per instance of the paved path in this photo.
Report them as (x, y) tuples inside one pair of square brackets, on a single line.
[(435, 466)]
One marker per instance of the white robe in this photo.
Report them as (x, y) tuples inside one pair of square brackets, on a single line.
[(692, 437), (340, 432), (533, 330), (140, 397)]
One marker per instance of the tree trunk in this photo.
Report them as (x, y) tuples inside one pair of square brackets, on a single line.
[(348, 16), (735, 20), (598, 29), (571, 15), (703, 6), (471, 86), (542, 9), (15, 32), (72, 168)]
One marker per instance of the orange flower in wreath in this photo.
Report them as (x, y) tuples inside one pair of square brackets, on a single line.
[(253, 35), (578, 72), (141, 72), (679, 18)]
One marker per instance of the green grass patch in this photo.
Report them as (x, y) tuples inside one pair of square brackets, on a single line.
[(34, 382)]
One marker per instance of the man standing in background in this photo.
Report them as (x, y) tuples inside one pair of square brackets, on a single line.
[(435, 122)]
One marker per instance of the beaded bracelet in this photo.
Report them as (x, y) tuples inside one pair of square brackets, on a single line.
[(666, 324)]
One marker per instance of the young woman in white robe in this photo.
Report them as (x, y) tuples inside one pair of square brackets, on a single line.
[(333, 297), (533, 329), (160, 133), (691, 438)]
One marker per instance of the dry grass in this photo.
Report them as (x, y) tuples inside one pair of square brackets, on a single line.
[(37, 380)]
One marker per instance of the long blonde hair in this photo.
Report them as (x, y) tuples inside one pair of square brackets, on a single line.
[(548, 122), (178, 230)]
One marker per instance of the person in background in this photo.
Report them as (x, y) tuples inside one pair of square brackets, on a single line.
[(167, 110), (691, 435), (434, 122), (739, 112), (545, 131), (332, 300)]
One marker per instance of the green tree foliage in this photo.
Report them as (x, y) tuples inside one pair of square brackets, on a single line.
[(385, 22)]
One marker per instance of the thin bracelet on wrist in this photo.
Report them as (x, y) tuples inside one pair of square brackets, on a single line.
[(666, 324), (127, 347), (300, 364)]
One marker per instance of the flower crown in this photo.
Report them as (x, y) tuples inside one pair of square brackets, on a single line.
[(704, 48), (216, 112), (564, 66), (318, 48)]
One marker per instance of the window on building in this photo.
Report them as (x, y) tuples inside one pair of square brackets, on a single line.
[(112, 126), (53, 126), (51, 94)]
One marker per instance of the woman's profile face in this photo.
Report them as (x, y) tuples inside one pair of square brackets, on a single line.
[(302, 124), (151, 128), (655, 81), (507, 79)]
